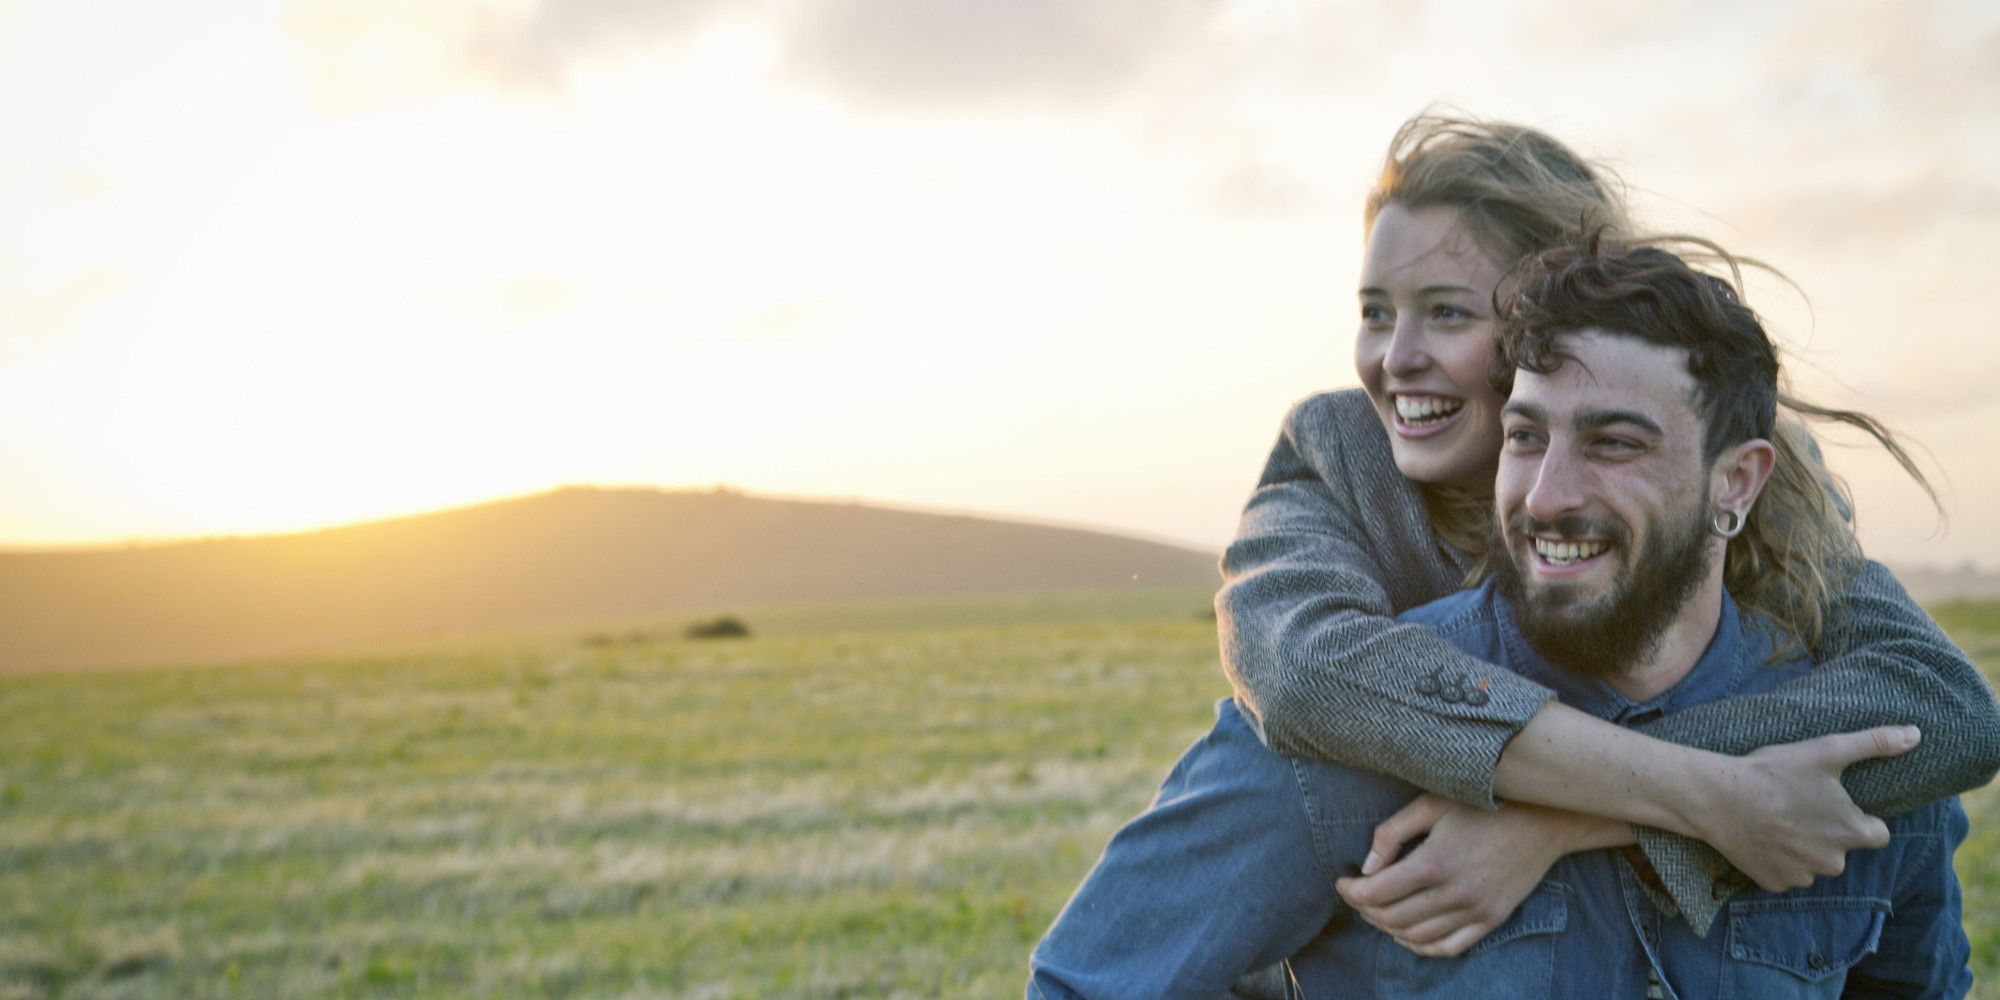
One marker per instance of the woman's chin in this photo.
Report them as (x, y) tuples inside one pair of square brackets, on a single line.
[(1469, 465)]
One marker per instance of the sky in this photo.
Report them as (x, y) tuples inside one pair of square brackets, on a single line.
[(272, 266)]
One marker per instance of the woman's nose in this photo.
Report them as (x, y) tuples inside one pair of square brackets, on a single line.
[(1406, 349)]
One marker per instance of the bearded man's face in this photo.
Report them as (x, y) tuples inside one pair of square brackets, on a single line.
[(1602, 495)]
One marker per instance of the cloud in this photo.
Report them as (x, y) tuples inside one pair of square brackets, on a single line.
[(1907, 97), (31, 309), (534, 46), (1926, 389), (899, 54), (1839, 215), (794, 320), (516, 300), (1820, 124), (1257, 191), (360, 52), (933, 54)]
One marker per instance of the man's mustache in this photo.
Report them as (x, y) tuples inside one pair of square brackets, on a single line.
[(1569, 527)]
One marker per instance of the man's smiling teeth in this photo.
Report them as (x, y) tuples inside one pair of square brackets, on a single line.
[(1420, 410), (1564, 553)]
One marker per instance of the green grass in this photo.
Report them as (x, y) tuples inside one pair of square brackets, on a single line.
[(1975, 625), (882, 813), (1138, 604), (891, 814)]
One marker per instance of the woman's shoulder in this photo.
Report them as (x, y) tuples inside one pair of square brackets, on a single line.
[(1339, 430), (1340, 412)]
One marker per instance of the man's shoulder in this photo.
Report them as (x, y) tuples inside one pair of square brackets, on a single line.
[(1469, 617), (1767, 653)]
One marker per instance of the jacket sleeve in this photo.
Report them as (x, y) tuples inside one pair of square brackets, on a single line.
[(1885, 662), (1332, 545)]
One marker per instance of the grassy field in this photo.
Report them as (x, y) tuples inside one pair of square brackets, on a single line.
[(1976, 627), (897, 813), (889, 813)]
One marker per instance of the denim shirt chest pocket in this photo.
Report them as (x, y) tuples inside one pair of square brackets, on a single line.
[(1515, 962), (1784, 947)]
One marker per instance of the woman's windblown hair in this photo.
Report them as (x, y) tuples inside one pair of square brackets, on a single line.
[(1797, 550), (1519, 190)]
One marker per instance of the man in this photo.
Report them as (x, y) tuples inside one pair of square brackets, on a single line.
[(1636, 439)]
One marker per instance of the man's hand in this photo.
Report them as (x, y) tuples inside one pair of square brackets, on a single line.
[(1469, 874), (1780, 814)]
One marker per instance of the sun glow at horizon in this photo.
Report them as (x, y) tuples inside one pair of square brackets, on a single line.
[(275, 267)]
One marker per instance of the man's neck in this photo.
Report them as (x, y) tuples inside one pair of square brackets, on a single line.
[(1680, 647)]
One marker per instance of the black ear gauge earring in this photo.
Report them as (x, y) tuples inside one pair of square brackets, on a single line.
[(1726, 523)]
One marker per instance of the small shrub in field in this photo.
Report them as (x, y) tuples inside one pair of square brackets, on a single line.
[(725, 627), (130, 956), (605, 640)]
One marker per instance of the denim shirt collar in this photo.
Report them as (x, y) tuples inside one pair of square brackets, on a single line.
[(1717, 675)]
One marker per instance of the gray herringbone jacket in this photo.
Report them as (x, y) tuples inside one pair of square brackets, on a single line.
[(1335, 542)]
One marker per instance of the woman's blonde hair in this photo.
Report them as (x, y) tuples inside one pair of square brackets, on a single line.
[(1518, 189), (1797, 551)]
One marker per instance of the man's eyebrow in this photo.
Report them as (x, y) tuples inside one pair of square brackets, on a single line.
[(1601, 418), (1531, 411)]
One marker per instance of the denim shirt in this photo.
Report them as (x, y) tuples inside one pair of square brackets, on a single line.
[(1231, 869)]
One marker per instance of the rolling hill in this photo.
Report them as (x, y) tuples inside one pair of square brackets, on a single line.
[(572, 555)]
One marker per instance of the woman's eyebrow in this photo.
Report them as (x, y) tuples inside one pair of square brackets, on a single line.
[(1426, 290)]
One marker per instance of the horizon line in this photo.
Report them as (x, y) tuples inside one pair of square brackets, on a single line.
[(163, 541)]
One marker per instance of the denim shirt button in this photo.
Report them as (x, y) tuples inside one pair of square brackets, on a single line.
[(1815, 961)]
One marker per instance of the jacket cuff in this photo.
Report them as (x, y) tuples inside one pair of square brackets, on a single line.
[(1504, 715), (1698, 879)]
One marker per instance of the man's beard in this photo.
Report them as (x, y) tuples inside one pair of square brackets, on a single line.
[(1621, 629)]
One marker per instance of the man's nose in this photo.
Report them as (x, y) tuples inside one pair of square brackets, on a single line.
[(1558, 487), (1406, 347)]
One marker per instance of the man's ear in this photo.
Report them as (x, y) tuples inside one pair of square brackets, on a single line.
[(1739, 474)]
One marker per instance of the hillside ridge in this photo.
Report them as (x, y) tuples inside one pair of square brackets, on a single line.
[(575, 554)]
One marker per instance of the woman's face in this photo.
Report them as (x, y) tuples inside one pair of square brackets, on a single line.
[(1426, 345)]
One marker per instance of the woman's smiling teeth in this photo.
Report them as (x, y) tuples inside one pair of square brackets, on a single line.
[(1564, 553), (1419, 411)]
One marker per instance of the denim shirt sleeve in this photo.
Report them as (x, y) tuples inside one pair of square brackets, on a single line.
[(1218, 877), (1923, 951)]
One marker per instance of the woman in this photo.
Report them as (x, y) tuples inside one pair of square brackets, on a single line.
[(1373, 502)]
